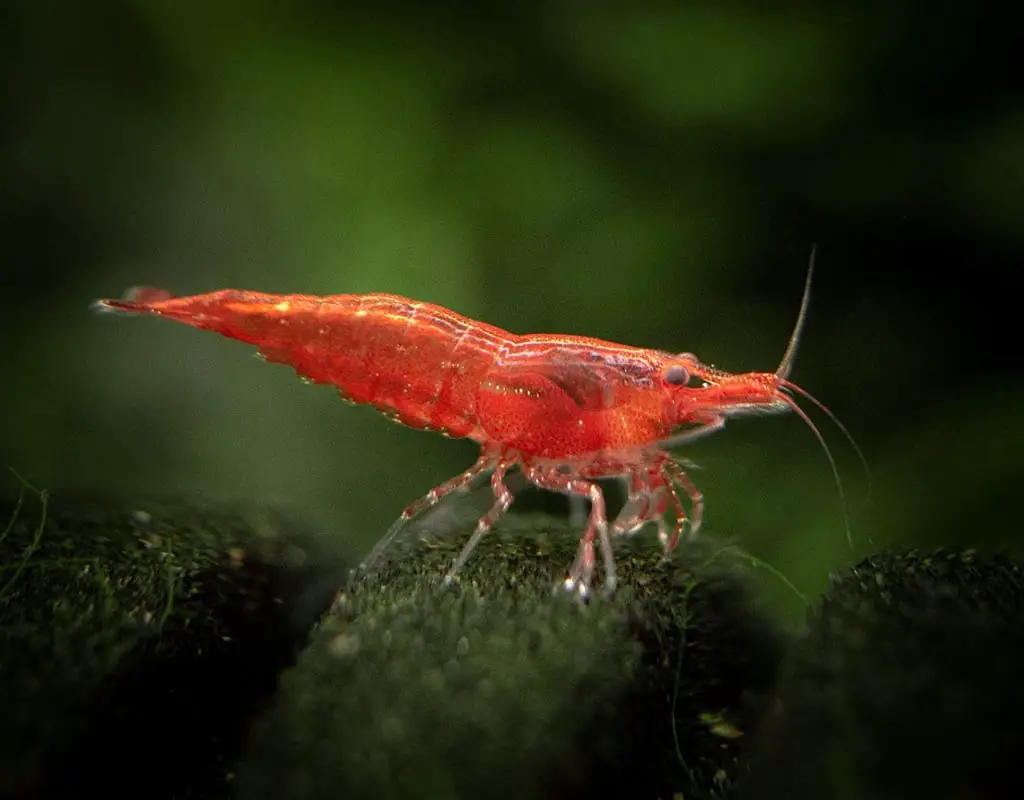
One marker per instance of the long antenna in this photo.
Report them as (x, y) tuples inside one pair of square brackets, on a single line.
[(794, 340), (831, 460)]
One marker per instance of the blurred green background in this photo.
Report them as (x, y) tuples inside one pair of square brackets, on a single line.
[(653, 173)]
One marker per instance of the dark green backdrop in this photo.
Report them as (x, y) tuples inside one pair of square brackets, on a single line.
[(652, 173)]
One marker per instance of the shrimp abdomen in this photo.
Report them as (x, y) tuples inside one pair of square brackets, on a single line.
[(417, 363)]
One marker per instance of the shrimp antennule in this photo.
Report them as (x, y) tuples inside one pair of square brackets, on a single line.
[(786, 365)]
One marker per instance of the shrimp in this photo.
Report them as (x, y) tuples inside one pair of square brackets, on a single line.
[(564, 410)]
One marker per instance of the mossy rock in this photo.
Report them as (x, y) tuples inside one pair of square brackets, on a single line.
[(135, 645), (908, 684), (505, 686)]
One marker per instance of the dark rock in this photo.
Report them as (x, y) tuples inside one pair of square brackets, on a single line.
[(136, 645), (504, 686)]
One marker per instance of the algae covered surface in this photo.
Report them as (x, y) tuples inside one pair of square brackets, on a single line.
[(171, 650), (506, 686), (166, 650), (136, 642), (907, 684)]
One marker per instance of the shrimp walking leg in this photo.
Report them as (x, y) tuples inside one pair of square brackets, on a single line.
[(647, 502), (502, 500), (676, 473), (582, 570), (485, 463)]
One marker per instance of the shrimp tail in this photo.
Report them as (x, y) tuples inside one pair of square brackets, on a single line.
[(233, 313), (137, 300)]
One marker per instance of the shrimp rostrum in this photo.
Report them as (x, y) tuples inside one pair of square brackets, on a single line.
[(565, 410)]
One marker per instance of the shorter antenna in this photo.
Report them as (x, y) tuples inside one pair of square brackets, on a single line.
[(786, 365)]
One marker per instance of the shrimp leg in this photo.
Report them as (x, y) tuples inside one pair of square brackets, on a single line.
[(676, 473), (582, 570), (485, 463), (647, 502), (649, 498), (502, 500)]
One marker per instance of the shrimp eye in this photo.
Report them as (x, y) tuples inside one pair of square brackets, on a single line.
[(677, 376)]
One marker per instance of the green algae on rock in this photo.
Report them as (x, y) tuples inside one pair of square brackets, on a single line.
[(907, 685), (499, 686), (136, 644)]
